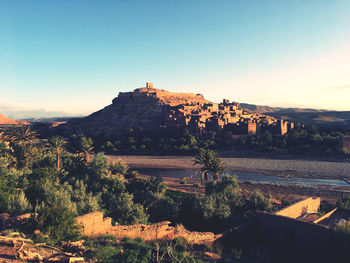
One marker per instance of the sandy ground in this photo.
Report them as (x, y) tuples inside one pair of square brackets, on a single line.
[(290, 168)]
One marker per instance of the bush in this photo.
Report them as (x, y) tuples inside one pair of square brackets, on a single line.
[(57, 222), (222, 203), (343, 227), (126, 212), (18, 204), (119, 167), (259, 202), (344, 202)]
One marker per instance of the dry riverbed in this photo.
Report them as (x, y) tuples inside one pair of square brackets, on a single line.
[(286, 168), (279, 193)]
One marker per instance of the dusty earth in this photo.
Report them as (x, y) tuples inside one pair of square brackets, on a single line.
[(290, 168), (286, 168)]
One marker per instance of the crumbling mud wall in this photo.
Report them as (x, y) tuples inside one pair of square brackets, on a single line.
[(309, 205), (345, 142), (94, 225)]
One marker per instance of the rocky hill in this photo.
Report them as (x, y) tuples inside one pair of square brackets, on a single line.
[(144, 107), (6, 121)]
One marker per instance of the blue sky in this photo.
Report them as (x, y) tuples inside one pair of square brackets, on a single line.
[(75, 56)]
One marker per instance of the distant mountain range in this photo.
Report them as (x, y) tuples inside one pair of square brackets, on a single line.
[(38, 115), (268, 109), (307, 116)]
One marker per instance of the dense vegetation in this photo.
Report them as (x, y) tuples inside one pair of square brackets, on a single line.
[(59, 180), (136, 250), (305, 140)]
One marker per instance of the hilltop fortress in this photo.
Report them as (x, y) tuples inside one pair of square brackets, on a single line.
[(151, 108)]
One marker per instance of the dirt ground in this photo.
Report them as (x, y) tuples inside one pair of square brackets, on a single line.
[(278, 193), (285, 167)]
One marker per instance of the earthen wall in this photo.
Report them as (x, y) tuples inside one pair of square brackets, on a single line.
[(309, 205), (345, 142), (94, 225)]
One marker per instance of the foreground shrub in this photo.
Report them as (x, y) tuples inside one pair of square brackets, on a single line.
[(260, 202), (343, 227), (57, 222), (18, 204), (344, 202)]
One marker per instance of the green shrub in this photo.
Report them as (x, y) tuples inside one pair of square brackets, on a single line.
[(126, 212), (343, 227), (344, 202), (260, 202), (57, 222), (18, 204), (107, 254)]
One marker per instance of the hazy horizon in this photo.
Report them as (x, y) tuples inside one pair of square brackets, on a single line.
[(75, 57)]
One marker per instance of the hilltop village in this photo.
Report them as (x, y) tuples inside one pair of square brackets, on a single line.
[(152, 110), (194, 112)]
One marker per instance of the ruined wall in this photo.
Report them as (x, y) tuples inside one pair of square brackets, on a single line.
[(283, 127), (309, 205), (94, 224), (345, 142), (162, 230), (251, 126), (325, 216)]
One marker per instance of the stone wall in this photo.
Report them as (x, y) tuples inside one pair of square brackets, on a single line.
[(94, 225), (309, 205)]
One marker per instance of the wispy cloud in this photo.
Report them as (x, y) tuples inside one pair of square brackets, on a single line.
[(339, 87)]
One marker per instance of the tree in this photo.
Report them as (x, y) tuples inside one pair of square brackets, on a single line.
[(210, 163), (223, 202), (2, 137), (21, 139), (126, 212), (20, 135), (86, 146), (57, 144)]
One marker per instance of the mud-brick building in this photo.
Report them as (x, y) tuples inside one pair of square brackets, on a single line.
[(345, 142)]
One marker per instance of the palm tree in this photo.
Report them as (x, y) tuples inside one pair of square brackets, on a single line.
[(210, 163), (2, 136), (21, 135), (20, 140), (57, 144), (86, 146), (217, 167)]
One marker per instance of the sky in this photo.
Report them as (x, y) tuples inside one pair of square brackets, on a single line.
[(76, 56)]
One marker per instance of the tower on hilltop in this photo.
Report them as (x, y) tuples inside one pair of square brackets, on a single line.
[(149, 85)]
